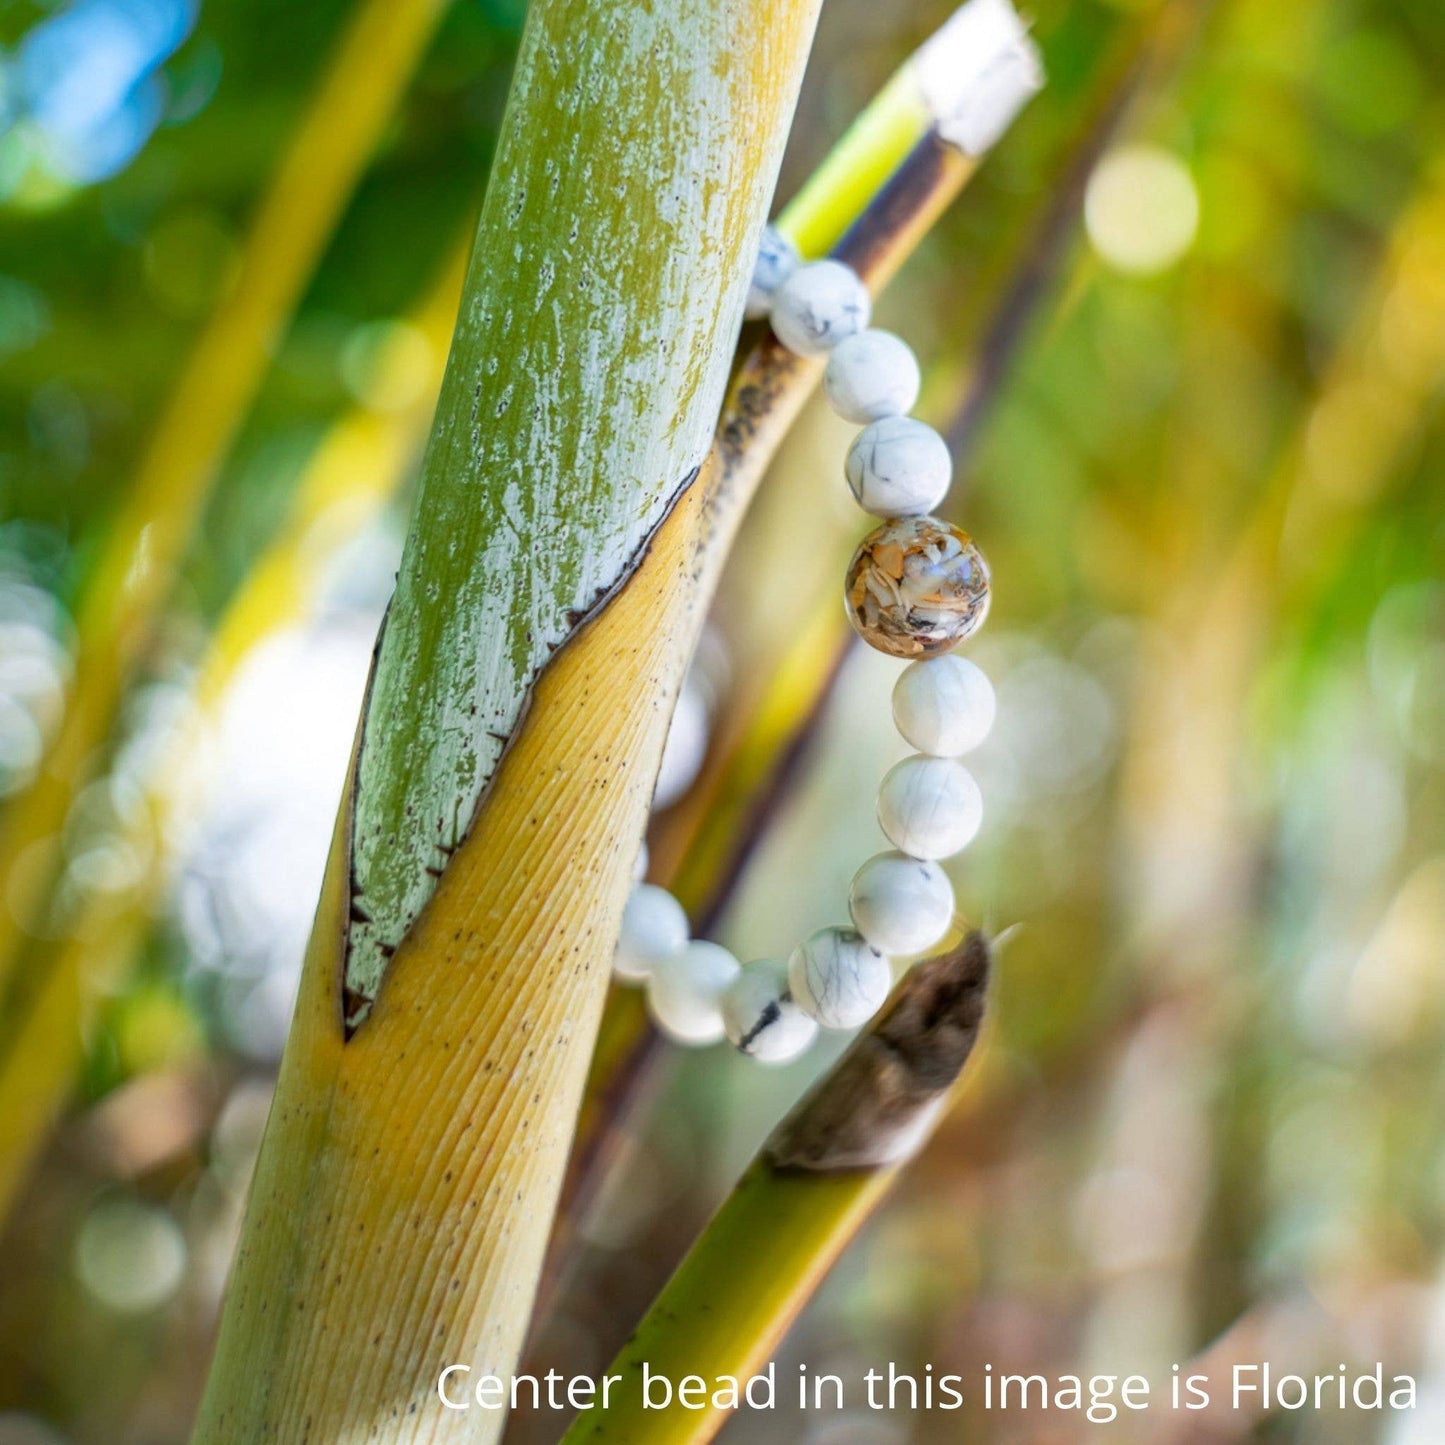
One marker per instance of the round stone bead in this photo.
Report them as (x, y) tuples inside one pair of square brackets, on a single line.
[(929, 807), (761, 1018), (818, 306), (898, 467), (684, 993), (916, 587), (777, 260), (872, 375), (838, 978), (654, 928), (901, 905), (943, 706)]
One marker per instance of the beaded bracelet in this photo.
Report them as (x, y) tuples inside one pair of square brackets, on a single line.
[(916, 587)]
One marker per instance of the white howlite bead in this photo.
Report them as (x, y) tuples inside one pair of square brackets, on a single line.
[(929, 807), (872, 375), (685, 749), (760, 1017), (654, 928), (684, 993), (818, 306), (898, 467), (777, 260), (901, 905), (838, 978), (943, 706)]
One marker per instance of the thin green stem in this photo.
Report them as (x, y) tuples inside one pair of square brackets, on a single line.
[(854, 171), (816, 1180)]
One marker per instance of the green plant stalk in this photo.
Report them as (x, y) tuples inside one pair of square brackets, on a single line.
[(134, 571), (399, 1208), (818, 1177)]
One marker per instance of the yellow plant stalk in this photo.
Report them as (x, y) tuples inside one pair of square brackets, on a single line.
[(815, 1181), (144, 543), (356, 470), (490, 1018), (46, 1047), (626, 1043)]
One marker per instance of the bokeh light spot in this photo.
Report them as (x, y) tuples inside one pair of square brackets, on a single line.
[(1141, 209), (131, 1256)]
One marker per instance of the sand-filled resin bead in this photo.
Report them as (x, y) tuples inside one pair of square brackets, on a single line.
[(943, 706), (837, 977), (760, 1017), (818, 306), (917, 587), (898, 467), (929, 807), (872, 375), (684, 993), (777, 260), (901, 905)]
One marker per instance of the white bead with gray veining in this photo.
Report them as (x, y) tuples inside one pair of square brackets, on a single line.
[(654, 928), (777, 260), (872, 375), (684, 993), (838, 978), (761, 1018), (898, 467), (818, 306), (901, 905), (929, 807), (943, 706)]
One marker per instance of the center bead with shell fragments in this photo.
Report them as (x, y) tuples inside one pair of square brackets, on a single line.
[(917, 587)]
